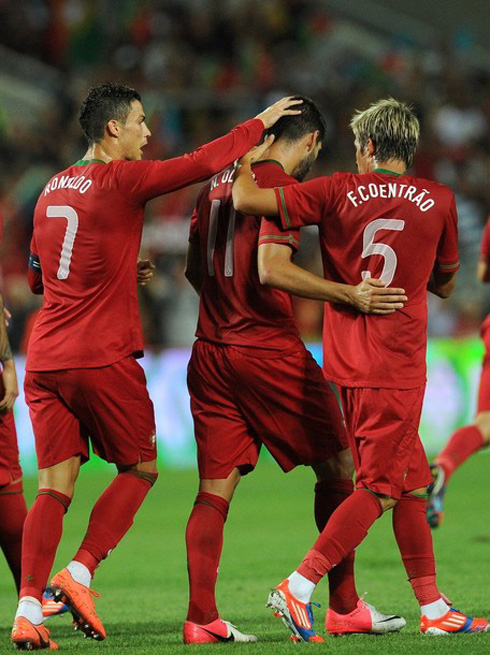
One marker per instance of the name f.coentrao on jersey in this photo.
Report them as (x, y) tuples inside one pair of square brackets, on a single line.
[(379, 224)]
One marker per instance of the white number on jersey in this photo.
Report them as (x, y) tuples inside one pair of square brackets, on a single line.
[(371, 248), (64, 211), (212, 233)]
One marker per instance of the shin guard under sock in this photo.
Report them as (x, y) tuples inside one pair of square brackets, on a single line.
[(345, 530), (42, 533), (204, 541), (414, 539), (329, 494), (460, 446), (13, 512), (113, 515)]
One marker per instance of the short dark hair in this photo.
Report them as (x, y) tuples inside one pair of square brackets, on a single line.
[(103, 103), (294, 127)]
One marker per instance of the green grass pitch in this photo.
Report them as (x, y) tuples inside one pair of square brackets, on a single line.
[(143, 583)]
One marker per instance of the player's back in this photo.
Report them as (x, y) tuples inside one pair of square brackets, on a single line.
[(235, 309), (397, 228), (87, 233)]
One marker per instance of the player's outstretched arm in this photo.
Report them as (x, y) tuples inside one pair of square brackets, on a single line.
[(149, 179), (248, 198), (9, 374), (369, 297)]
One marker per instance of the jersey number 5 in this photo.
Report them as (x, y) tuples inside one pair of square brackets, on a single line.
[(371, 248), (64, 211)]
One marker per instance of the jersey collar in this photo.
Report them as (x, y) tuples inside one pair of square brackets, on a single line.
[(271, 161), (386, 172), (85, 162)]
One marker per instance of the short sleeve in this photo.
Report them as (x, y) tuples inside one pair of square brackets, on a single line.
[(302, 204), (271, 232), (447, 258)]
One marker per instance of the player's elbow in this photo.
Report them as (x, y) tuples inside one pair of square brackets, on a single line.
[(445, 290), (239, 199), (266, 276), (269, 274)]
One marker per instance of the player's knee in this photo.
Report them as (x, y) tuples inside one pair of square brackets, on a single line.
[(483, 424), (61, 477), (145, 470), (224, 487), (339, 466), (421, 492), (386, 502)]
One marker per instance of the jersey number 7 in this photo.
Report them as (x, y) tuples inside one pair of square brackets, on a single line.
[(64, 211)]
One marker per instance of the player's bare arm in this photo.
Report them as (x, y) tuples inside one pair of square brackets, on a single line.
[(9, 374), (248, 198), (442, 283), (193, 270), (369, 297), (483, 272)]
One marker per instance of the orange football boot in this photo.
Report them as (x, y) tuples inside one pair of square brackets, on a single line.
[(27, 636), (80, 601)]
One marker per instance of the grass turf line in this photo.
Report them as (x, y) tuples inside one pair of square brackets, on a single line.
[(144, 582)]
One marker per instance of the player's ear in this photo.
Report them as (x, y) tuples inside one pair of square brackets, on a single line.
[(311, 140), (370, 148), (114, 128)]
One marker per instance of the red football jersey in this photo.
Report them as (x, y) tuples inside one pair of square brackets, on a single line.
[(87, 233), (485, 244), (377, 225), (235, 308)]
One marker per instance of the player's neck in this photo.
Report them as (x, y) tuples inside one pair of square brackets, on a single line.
[(102, 152), (286, 158), (396, 166)]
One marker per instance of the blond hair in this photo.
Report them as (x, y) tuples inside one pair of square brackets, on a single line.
[(393, 128)]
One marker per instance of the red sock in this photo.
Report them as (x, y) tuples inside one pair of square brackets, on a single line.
[(113, 515), (329, 494), (13, 511), (414, 540), (460, 446), (345, 530), (42, 533), (204, 540)]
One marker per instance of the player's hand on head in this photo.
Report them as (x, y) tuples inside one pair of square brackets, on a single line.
[(284, 107), (372, 296), (9, 377), (145, 271), (257, 152)]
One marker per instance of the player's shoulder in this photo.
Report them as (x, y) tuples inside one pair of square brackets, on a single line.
[(443, 188), (270, 172)]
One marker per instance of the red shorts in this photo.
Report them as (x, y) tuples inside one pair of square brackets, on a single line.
[(110, 405), (9, 453), (484, 388), (382, 427), (240, 400)]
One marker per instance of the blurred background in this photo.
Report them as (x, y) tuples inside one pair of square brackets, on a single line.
[(202, 66)]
